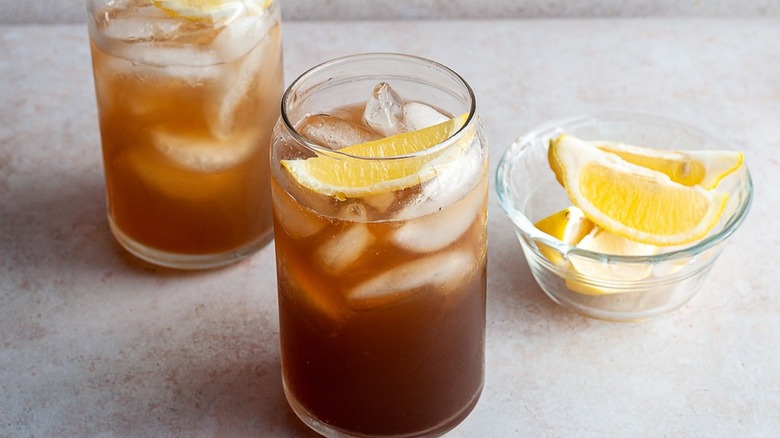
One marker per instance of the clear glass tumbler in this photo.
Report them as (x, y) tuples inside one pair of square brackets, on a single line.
[(187, 98), (381, 252)]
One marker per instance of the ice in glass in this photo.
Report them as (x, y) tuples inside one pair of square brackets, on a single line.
[(187, 96), (381, 261)]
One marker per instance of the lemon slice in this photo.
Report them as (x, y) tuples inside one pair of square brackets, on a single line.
[(568, 225), (603, 272), (571, 226), (353, 173), (209, 10), (632, 201), (705, 168)]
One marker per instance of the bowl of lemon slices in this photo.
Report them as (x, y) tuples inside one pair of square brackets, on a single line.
[(622, 215)]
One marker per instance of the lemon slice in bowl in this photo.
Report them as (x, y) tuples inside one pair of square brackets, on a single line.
[(209, 11), (571, 226), (602, 272), (705, 168), (632, 201), (568, 225), (355, 171)]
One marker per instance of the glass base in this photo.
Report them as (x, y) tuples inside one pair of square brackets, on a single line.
[(188, 261), (330, 431)]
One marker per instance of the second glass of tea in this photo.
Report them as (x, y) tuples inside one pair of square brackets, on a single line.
[(380, 186), (187, 93)]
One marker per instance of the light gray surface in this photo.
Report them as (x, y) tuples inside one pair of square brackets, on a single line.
[(72, 11), (92, 343)]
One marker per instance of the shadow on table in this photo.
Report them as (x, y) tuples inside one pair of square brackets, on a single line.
[(56, 221), (137, 375), (215, 374), (513, 294)]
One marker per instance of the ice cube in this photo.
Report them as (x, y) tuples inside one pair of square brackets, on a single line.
[(333, 132), (150, 54), (442, 272), (353, 211), (203, 154), (149, 36), (304, 286), (418, 115), (137, 29), (456, 172), (159, 176), (441, 228), (384, 111), (239, 87), (381, 202), (345, 248), (241, 35), (295, 220), (136, 23)]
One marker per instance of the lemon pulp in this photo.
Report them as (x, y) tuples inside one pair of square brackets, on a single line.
[(635, 202), (209, 10), (378, 166)]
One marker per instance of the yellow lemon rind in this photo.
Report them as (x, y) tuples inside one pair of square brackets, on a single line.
[(705, 168), (208, 11), (605, 177), (356, 170)]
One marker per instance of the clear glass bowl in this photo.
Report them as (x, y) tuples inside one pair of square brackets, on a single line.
[(611, 287)]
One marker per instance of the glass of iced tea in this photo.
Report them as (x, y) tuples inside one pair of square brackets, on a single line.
[(188, 93), (380, 186)]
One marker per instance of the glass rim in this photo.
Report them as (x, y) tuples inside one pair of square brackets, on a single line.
[(524, 224), (367, 57)]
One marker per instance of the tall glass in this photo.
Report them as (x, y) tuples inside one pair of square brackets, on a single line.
[(187, 98), (381, 287)]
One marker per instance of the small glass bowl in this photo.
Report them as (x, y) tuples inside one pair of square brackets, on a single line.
[(611, 287)]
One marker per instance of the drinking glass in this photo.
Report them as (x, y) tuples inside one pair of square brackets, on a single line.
[(187, 99), (382, 289)]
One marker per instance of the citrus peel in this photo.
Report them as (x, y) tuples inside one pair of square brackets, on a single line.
[(209, 11), (633, 201), (378, 166)]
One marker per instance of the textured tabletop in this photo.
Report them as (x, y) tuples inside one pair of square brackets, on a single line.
[(94, 343)]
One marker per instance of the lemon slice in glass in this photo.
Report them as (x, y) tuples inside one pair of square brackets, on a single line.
[(210, 11), (632, 201), (378, 166)]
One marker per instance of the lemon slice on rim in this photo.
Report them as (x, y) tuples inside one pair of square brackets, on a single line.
[(632, 201), (354, 172), (210, 10), (705, 168)]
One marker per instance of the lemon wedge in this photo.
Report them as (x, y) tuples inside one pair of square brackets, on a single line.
[(568, 225), (571, 226), (632, 201), (604, 242), (705, 168), (355, 172), (209, 10)]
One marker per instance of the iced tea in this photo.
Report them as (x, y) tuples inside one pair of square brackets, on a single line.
[(187, 99), (381, 287)]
